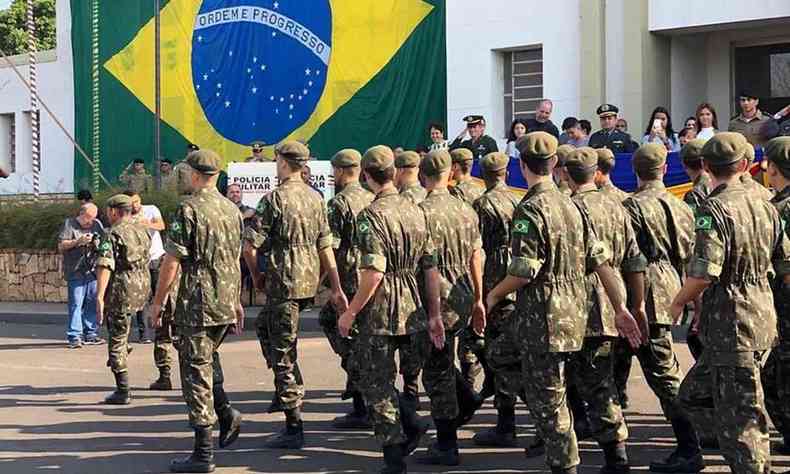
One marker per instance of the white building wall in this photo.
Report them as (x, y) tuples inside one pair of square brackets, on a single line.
[(476, 31), (680, 14), (56, 88)]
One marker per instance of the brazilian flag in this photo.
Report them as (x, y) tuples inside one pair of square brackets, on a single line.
[(334, 73)]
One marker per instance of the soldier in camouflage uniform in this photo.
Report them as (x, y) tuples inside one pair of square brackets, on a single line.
[(753, 188), (591, 368), (183, 173), (135, 178), (394, 242), (167, 175), (740, 243), (606, 162), (776, 373), (664, 231), (204, 241), (553, 248), (121, 276), (563, 152), (465, 187), (350, 199), (453, 226), (290, 226)]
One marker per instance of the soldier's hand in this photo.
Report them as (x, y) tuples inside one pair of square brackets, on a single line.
[(436, 330), (239, 326), (155, 315), (676, 311), (99, 311), (344, 323), (479, 318), (339, 301), (628, 328), (641, 319)]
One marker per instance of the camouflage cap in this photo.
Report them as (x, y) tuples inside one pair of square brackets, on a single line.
[(584, 158), (605, 157), (378, 157), (293, 151), (494, 161), (204, 162), (563, 152), (461, 155), (650, 156), (692, 151), (346, 158), (777, 151), (407, 159), (750, 154), (435, 163), (538, 145), (725, 148), (120, 201)]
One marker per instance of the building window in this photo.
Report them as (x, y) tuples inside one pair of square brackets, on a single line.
[(8, 142), (523, 83), (765, 70)]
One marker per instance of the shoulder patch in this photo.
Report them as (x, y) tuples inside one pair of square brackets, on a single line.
[(105, 246), (521, 226), (363, 226), (703, 223), (175, 227)]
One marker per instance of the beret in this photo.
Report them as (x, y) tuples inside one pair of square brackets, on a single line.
[(584, 158), (538, 145), (460, 155), (119, 201), (563, 152), (605, 157), (725, 148), (435, 163), (649, 156), (692, 151), (378, 157), (407, 159), (204, 162), (777, 151), (346, 158), (494, 161), (294, 151)]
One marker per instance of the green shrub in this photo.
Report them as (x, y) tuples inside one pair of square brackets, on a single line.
[(32, 225)]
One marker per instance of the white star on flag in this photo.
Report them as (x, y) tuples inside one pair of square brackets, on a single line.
[(307, 72), (271, 97), (230, 53), (276, 5), (200, 39), (310, 83), (290, 116), (205, 77), (249, 70), (254, 90), (291, 107), (227, 104), (304, 91), (219, 85), (254, 59)]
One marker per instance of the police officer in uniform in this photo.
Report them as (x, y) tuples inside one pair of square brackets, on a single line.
[(257, 154), (478, 142), (608, 136)]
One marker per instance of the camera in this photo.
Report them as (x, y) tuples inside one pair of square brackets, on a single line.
[(87, 261)]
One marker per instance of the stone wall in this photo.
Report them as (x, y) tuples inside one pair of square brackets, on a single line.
[(32, 275)]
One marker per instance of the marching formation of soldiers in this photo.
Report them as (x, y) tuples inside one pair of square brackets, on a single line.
[(545, 296)]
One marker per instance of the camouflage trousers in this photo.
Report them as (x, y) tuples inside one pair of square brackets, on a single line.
[(163, 344), (724, 388), (343, 347), (200, 370), (623, 358), (776, 383), (590, 370), (277, 326), (449, 391), (471, 354), (378, 375), (503, 356), (118, 326)]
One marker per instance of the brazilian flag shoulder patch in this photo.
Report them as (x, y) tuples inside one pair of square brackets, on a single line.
[(105, 246), (704, 223), (521, 226), (175, 227), (363, 226)]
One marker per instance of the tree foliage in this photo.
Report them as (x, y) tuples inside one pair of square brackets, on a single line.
[(13, 31)]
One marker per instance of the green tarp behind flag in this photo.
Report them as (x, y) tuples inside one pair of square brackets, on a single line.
[(335, 73)]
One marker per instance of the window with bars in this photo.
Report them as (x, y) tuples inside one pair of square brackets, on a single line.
[(523, 83), (8, 142)]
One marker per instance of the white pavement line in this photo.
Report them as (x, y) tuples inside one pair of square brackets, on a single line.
[(50, 368)]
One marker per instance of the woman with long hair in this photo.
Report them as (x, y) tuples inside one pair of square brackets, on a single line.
[(517, 130), (707, 121), (659, 130)]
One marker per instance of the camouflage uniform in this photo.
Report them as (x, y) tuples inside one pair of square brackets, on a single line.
[(553, 248), (738, 321), (170, 181), (183, 177), (342, 212), (124, 251), (414, 192), (164, 334), (754, 188), (467, 191), (614, 192), (137, 182), (698, 193), (290, 227), (776, 373), (453, 226), (394, 240), (205, 236)]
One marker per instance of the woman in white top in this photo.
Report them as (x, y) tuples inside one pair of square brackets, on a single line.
[(707, 122), (436, 131), (659, 130), (517, 130)]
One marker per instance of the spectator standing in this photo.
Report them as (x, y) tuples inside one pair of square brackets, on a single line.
[(257, 154), (752, 123), (621, 125), (517, 130), (609, 136), (77, 242), (686, 135), (438, 142), (707, 121), (575, 135), (307, 177), (691, 122), (234, 194), (478, 142), (542, 121), (136, 178), (659, 130)]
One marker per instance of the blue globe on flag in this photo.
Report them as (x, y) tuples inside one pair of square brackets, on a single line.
[(259, 67)]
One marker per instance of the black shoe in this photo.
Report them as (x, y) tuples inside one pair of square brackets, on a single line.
[(440, 457), (710, 443), (582, 429), (202, 457), (118, 398), (286, 440), (493, 438), (467, 412), (229, 426), (393, 460), (615, 459), (413, 440), (536, 449), (162, 383), (352, 421), (679, 463)]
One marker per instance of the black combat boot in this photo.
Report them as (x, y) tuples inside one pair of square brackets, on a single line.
[(615, 458), (358, 419), (687, 457), (121, 395), (202, 457), (488, 389), (469, 401), (535, 449), (292, 437), (393, 460), (578, 407), (503, 435), (444, 452), (229, 418), (163, 382), (412, 427)]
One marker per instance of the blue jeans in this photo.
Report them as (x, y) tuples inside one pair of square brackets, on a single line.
[(82, 309)]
